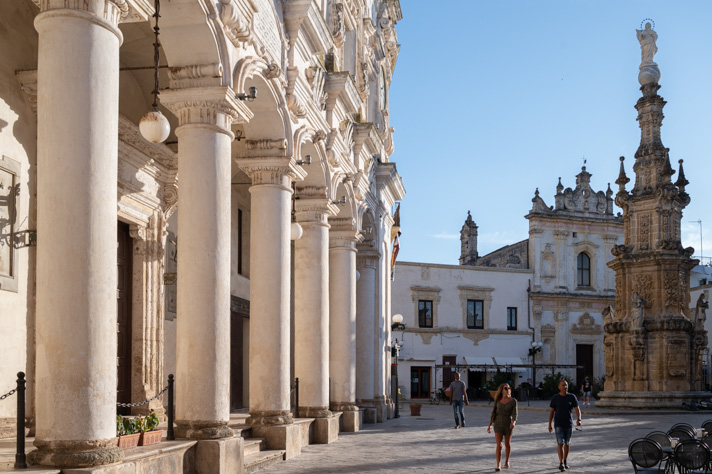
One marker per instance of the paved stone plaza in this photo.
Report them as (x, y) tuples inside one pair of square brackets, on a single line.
[(429, 443)]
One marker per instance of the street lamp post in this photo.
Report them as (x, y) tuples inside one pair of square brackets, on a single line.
[(536, 347), (397, 325)]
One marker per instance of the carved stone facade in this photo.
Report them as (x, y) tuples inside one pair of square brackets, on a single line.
[(310, 148)]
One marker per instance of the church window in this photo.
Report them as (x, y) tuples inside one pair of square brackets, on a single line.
[(475, 314), (425, 313), (583, 270), (511, 319)]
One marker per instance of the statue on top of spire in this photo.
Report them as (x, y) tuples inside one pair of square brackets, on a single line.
[(649, 72), (648, 48)]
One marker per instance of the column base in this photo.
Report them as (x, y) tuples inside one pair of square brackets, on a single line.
[(216, 456), (202, 430), (344, 406), (381, 410), (315, 412), (287, 437), (326, 430), (351, 421), (72, 454), (272, 417)]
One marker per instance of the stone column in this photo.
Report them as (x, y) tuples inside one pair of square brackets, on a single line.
[(203, 329), (366, 337), (77, 153), (342, 314), (311, 302), (272, 172)]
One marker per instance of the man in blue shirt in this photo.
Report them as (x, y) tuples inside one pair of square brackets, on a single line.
[(562, 405)]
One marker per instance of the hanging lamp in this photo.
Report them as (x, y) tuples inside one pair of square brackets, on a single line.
[(154, 125)]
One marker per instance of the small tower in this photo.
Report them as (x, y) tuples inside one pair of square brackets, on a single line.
[(468, 242), (653, 344)]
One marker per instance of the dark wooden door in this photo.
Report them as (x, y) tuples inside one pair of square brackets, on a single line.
[(123, 309), (420, 382), (584, 357), (448, 373), (239, 319)]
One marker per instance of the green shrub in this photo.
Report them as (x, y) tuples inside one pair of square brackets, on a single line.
[(550, 385), (499, 378)]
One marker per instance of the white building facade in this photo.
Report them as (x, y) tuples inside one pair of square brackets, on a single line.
[(555, 284)]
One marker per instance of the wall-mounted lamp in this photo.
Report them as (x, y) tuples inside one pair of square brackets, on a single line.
[(295, 230), (397, 324), (249, 97), (340, 201), (239, 135), (154, 125), (305, 161)]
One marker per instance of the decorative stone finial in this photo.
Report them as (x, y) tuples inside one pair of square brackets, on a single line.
[(649, 72), (622, 178), (681, 180)]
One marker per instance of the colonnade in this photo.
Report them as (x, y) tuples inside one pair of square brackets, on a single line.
[(335, 317)]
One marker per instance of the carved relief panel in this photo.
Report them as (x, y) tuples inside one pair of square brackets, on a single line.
[(9, 194)]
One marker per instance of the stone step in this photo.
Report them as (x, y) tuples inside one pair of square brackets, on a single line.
[(254, 445), (256, 461)]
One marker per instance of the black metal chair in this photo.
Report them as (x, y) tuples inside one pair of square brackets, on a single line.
[(664, 440), (686, 426), (646, 455), (691, 456), (681, 433), (707, 426)]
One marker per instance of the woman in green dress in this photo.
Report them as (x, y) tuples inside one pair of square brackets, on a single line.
[(504, 417)]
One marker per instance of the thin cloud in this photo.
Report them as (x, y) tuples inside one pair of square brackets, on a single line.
[(445, 236)]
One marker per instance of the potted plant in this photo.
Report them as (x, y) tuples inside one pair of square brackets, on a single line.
[(147, 426), (128, 437), (415, 409)]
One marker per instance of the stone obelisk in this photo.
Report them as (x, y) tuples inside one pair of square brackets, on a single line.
[(653, 343)]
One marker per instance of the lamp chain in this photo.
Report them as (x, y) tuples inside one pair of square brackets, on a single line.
[(156, 54)]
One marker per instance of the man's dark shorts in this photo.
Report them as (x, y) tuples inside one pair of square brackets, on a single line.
[(563, 434)]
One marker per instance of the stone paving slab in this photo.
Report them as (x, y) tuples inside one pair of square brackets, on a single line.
[(429, 443)]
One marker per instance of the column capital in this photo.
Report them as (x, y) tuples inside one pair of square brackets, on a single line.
[(367, 260), (211, 106), (313, 206), (279, 170), (342, 234), (107, 13)]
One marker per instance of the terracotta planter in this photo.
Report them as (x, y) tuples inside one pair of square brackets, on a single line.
[(415, 409), (128, 441), (150, 437)]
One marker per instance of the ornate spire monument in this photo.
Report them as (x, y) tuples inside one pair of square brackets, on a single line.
[(653, 343)]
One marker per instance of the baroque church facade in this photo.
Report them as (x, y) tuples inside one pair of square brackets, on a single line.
[(249, 249), (550, 289)]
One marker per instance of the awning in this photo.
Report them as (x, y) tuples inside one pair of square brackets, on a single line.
[(480, 363), (511, 361)]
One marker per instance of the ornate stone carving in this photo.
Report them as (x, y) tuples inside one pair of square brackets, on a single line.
[(677, 353), (700, 311), (170, 195), (426, 337), (644, 231), (237, 17), (316, 77), (338, 27), (279, 144), (637, 344), (637, 311), (273, 71), (586, 324), (643, 286)]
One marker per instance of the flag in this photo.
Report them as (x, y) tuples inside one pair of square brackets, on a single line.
[(396, 248)]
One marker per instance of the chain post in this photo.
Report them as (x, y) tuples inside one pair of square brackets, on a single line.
[(20, 461), (170, 435), (296, 397)]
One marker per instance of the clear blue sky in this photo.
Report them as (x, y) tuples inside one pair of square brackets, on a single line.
[(492, 99)]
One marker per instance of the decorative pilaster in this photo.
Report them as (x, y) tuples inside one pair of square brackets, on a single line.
[(203, 329), (147, 345), (77, 151), (342, 313), (272, 172), (311, 301)]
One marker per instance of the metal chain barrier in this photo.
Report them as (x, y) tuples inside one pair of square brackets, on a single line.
[(131, 405), (8, 394)]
